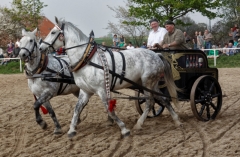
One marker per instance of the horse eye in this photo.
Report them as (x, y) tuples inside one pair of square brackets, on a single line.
[(53, 32), (31, 40)]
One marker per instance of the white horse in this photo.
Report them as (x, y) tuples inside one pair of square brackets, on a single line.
[(142, 66), (37, 64)]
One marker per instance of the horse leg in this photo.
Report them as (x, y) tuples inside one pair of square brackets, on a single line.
[(148, 105), (42, 99), (76, 94), (82, 102), (167, 104), (112, 116), (58, 129)]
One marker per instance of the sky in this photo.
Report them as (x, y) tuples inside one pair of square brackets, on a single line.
[(90, 15)]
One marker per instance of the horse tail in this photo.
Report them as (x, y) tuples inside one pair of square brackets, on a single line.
[(171, 86)]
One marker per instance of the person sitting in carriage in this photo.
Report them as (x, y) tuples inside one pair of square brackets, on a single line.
[(174, 39), (156, 35)]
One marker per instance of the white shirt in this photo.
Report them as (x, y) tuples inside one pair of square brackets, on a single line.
[(130, 47), (18, 43), (156, 37)]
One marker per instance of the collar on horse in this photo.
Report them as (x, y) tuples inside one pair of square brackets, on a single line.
[(41, 66)]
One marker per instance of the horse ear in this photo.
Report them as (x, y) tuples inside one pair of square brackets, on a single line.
[(56, 19), (35, 31), (23, 32)]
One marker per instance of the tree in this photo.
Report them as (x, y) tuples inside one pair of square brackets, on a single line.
[(172, 10), (23, 14), (125, 27)]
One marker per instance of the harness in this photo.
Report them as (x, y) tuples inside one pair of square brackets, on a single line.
[(90, 51), (42, 65)]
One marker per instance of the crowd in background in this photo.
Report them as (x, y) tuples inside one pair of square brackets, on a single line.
[(203, 42), (11, 52)]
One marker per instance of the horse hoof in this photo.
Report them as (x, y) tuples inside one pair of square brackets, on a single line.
[(57, 131), (126, 135), (43, 125), (71, 135)]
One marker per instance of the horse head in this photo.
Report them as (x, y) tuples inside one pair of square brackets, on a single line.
[(28, 46), (55, 38)]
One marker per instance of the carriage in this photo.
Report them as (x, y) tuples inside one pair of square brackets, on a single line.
[(200, 84)]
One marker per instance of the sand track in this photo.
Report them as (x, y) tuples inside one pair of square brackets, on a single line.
[(21, 136)]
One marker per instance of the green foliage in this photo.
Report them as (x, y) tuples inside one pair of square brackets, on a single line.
[(25, 12), (172, 10), (226, 61), (11, 68)]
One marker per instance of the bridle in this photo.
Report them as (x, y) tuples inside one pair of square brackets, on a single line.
[(30, 52), (60, 36)]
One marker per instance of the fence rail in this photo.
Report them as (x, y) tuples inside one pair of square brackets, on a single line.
[(20, 66)]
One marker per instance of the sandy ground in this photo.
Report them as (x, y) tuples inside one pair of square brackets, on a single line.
[(21, 136)]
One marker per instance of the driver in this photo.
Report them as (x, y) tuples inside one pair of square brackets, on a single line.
[(174, 39), (156, 34)]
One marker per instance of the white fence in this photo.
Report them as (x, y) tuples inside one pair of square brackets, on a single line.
[(221, 49), (20, 62)]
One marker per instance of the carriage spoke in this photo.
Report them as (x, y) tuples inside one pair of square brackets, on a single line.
[(199, 101), (208, 112), (202, 109), (213, 106), (211, 88), (215, 95), (153, 111)]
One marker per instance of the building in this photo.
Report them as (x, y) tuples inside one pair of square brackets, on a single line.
[(44, 27)]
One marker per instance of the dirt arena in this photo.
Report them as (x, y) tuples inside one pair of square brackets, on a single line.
[(21, 136)]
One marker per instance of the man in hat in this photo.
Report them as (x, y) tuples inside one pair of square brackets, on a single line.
[(174, 39), (156, 34)]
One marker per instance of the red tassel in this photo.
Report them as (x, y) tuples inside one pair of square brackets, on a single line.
[(112, 104), (44, 110)]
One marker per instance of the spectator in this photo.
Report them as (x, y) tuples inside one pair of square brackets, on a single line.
[(115, 40), (144, 45), (1, 53), (230, 51), (208, 39), (122, 41), (103, 43), (237, 34), (174, 39), (187, 37), (16, 51), (129, 47), (10, 48), (194, 40), (225, 49), (156, 34), (200, 40), (238, 46), (18, 42), (235, 42), (5, 60)]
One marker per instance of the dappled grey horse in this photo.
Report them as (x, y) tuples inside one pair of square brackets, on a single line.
[(91, 64), (37, 64)]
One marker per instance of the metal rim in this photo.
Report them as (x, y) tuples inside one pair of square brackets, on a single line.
[(206, 98), (157, 108)]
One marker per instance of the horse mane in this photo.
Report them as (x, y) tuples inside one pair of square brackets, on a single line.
[(73, 30)]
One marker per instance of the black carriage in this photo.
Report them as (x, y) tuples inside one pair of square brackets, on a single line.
[(199, 82)]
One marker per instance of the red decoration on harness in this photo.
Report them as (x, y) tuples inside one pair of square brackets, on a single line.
[(44, 110), (112, 104)]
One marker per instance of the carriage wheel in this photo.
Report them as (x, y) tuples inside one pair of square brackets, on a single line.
[(140, 105), (206, 98)]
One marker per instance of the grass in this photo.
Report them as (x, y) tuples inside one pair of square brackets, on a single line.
[(225, 61), (222, 62), (11, 68)]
